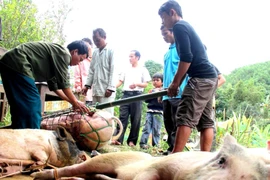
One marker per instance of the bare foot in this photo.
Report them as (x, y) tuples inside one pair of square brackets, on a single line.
[(131, 144)]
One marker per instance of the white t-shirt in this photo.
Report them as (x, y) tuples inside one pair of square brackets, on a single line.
[(133, 75)]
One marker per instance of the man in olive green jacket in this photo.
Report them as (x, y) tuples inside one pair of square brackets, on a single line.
[(34, 62)]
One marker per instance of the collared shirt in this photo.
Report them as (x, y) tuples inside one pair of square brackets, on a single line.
[(171, 61), (133, 75), (80, 76), (40, 61), (101, 71)]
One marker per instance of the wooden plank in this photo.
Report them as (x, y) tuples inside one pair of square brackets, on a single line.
[(46, 94)]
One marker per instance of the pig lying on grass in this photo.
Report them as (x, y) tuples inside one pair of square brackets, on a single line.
[(37, 148), (232, 162)]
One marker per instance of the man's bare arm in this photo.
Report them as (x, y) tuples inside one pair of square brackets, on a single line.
[(178, 78)]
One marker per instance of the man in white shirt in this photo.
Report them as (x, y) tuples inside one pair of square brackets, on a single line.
[(135, 79)]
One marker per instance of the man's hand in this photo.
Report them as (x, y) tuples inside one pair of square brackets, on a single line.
[(173, 90), (84, 91), (132, 86), (78, 89), (80, 106), (108, 93), (178, 78)]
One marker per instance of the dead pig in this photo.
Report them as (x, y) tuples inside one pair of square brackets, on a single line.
[(32, 147), (90, 131), (231, 162)]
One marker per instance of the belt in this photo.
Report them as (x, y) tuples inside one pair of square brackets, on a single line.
[(132, 92)]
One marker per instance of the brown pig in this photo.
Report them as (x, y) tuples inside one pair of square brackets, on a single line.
[(232, 162), (36, 147)]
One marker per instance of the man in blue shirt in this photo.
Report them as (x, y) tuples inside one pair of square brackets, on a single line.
[(171, 61)]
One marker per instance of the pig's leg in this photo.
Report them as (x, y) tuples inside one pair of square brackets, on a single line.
[(88, 167), (72, 178), (102, 164), (40, 158), (92, 177), (99, 177)]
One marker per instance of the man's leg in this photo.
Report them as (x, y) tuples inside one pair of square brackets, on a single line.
[(173, 108), (196, 97), (146, 130), (124, 114), (206, 139), (168, 123), (135, 119), (105, 100), (95, 100), (24, 100), (156, 124), (206, 127), (180, 143)]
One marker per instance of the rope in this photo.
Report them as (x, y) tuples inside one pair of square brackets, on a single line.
[(55, 173)]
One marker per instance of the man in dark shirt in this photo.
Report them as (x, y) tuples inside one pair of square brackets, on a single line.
[(33, 62), (195, 108)]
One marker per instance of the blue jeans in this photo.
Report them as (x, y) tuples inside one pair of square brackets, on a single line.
[(153, 124)]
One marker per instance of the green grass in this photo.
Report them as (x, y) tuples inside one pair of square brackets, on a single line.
[(7, 119)]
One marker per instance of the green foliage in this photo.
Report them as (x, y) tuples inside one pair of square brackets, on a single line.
[(153, 67), (19, 23), (245, 90), (118, 96), (52, 22), (245, 130), (7, 119), (258, 72)]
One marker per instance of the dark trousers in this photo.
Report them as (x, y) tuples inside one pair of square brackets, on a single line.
[(24, 100), (132, 111), (169, 115)]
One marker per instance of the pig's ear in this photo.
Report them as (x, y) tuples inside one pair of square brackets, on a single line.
[(228, 139), (62, 133)]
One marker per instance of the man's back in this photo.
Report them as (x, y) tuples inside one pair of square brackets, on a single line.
[(38, 60), (191, 50)]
